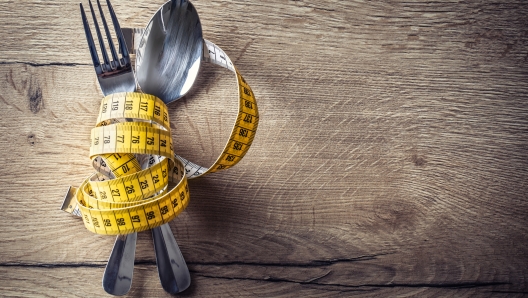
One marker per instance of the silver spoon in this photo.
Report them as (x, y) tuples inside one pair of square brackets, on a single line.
[(167, 63), (170, 51)]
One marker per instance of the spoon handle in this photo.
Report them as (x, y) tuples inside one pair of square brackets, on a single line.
[(172, 269), (117, 277)]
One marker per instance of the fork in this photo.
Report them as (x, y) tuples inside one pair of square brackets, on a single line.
[(117, 76)]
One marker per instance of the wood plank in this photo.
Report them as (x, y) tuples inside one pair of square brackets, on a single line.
[(390, 159), (58, 282)]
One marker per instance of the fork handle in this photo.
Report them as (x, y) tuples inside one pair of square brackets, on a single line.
[(172, 269), (117, 277)]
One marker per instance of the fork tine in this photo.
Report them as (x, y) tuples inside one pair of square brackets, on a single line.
[(90, 40), (115, 62), (100, 37), (120, 38)]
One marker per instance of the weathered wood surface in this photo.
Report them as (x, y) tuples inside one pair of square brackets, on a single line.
[(391, 157)]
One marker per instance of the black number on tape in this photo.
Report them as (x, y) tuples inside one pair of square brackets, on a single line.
[(243, 132), (248, 104), (120, 221), (143, 184), (237, 146), (151, 215), (248, 118), (247, 91), (128, 105), (150, 141)]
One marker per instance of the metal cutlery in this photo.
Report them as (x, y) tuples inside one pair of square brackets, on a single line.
[(114, 76)]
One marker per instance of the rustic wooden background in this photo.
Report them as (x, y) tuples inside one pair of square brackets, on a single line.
[(391, 157)]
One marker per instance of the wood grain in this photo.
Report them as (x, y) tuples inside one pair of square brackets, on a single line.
[(391, 157)]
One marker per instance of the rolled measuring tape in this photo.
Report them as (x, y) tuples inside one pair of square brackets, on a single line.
[(140, 183)]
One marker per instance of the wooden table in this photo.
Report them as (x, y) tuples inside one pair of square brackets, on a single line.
[(391, 157)]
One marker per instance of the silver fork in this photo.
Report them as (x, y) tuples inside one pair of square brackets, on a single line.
[(117, 76)]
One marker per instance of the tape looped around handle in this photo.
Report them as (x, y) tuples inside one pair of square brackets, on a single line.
[(140, 183)]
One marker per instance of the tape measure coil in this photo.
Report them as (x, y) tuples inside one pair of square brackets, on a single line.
[(122, 198)]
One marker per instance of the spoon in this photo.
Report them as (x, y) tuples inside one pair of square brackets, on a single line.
[(167, 62), (170, 51)]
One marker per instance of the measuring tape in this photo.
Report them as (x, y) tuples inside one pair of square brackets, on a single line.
[(140, 183)]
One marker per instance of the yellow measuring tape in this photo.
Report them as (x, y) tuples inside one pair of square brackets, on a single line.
[(135, 162)]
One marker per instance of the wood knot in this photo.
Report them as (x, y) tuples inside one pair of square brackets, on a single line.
[(418, 160), (31, 139), (35, 97)]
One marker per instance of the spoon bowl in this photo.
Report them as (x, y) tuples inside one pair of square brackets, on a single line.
[(170, 51)]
